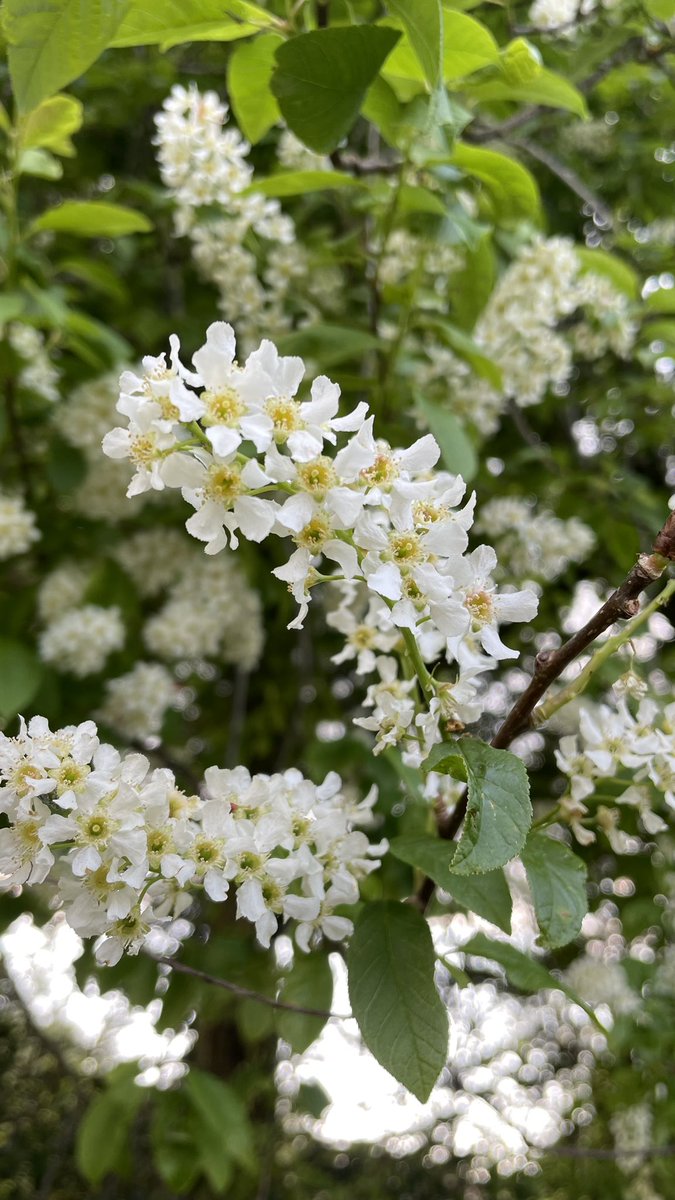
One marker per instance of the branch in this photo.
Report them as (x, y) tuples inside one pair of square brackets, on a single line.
[(550, 664), (569, 177), (245, 993)]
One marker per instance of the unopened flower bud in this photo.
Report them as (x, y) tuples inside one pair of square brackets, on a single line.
[(521, 62)]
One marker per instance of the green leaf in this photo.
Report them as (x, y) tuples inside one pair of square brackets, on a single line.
[(66, 466), (309, 985), (381, 107), (50, 125), (52, 42), (103, 1133), (467, 47), (512, 187), (601, 262), (168, 22), (393, 997), (423, 21), (20, 677), (220, 1108), (329, 344), (40, 164), (547, 88), (473, 284), (249, 72), (298, 183), (92, 218), (322, 77), (557, 880), (465, 348), (523, 972), (12, 304), (498, 812), (661, 301), (488, 895), (459, 455)]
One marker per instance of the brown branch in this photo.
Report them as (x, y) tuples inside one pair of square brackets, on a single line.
[(569, 177), (245, 993), (550, 664)]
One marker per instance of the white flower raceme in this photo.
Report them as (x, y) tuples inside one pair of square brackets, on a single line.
[(135, 703), (254, 458), (629, 755), (62, 589), (80, 640), (134, 850), (18, 530), (533, 545), (38, 374)]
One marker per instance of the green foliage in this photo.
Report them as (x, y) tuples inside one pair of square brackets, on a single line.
[(557, 880), (102, 1137), (309, 985), (457, 450), (20, 677), (510, 185), (249, 73), (487, 895), (91, 218), (322, 77), (393, 997)]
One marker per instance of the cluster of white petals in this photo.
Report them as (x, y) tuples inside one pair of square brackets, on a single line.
[(618, 760), (135, 703), (127, 851), (518, 330), (533, 545), (38, 374), (80, 640), (562, 16), (18, 530), (255, 459), (241, 240)]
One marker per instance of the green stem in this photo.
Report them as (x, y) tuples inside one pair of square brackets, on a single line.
[(413, 651), (610, 647)]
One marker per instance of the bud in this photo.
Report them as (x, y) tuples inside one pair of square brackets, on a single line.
[(521, 62)]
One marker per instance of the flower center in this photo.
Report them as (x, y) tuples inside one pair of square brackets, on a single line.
[(69, 775), (315, 534), (223, 408), (143, 449), (382, 472), (317, 476), (223, 484), (480, 607), (405, 548), (285, 416)]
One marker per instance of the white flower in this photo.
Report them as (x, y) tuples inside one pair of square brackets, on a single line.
[(18, 529), (80, 641)]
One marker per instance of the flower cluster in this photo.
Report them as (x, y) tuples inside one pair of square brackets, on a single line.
[(517, 331), (38, 374), (135, 703), (18, 530), (533, 545), (252, 459), (81, 639), (204, 165), (625, 759), (127, 850), (562, 16)]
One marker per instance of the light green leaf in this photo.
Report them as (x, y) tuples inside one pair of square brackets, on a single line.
[(20, 677), (249, 72), (393, 997), (310, 985), (423, 21), (487, 895), (322, 77), (557, 880), (601, 262), (329, 344), (661, 10), (467, 47), (661, 301), (41, 164), (298, 183), (50, 125), (457, 450), (52, 42), (547, 88), (12, 304), (473, 284), (169, 22), (465, 348), (512, 187), (92, 218)]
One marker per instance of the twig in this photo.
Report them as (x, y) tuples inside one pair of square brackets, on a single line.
[(569, 177), (245, 993), (550, 664)]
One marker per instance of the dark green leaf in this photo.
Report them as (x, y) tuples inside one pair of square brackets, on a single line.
[(322, 77), (309, 985), (103, 1133), (393, 996), (487, 895), (498, 814), (220, 1108), (20, 677), (557, 880)]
